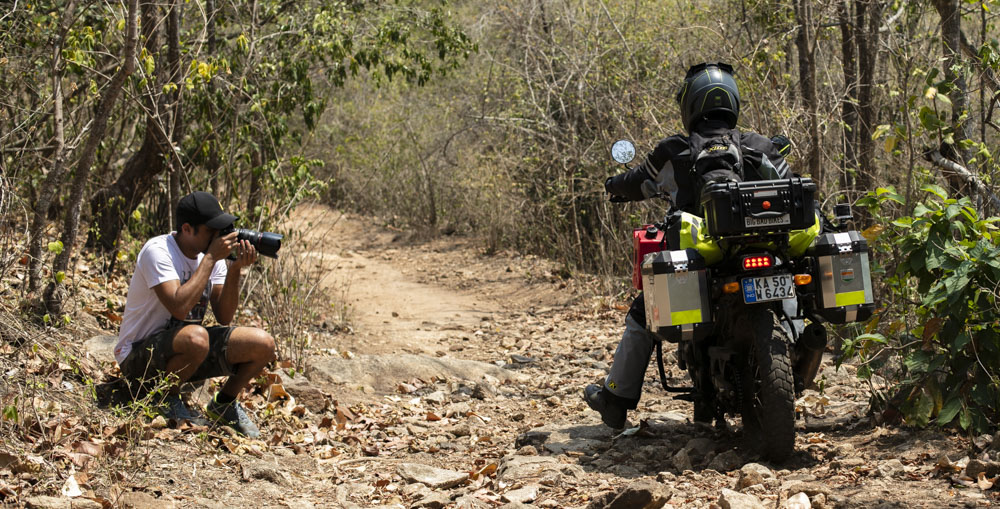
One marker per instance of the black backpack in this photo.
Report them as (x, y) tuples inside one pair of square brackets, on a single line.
[(716, 158)]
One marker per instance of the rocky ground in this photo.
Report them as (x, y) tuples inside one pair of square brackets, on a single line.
[(456, 383)]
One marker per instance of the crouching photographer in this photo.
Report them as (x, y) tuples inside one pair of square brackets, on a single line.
[(177, 275)]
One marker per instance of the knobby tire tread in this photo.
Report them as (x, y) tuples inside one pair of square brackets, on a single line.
[(774, 419)]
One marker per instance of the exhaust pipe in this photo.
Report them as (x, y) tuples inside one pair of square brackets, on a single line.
[(809, 354)]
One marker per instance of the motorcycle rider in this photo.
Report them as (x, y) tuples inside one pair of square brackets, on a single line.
[(709, 101)]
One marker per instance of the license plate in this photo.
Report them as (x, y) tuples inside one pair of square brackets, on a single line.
[(754, 222), (768, 288)]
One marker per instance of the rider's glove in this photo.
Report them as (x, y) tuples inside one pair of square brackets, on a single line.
[(614, 198)]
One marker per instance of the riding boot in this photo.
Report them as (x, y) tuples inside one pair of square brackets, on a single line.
[(631, 359)]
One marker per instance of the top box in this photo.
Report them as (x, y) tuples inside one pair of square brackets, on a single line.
[(736, 209)]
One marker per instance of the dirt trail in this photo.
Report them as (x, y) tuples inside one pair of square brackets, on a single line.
[(474, 364)]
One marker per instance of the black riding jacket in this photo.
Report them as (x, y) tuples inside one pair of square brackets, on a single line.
[(667, 169)]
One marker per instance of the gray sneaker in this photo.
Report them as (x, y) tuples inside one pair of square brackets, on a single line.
[(232, 415), (174, 408)]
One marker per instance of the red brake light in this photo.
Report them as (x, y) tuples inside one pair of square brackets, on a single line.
[(757, 262)]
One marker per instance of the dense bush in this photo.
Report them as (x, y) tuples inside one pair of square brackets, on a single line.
[(940, 340)]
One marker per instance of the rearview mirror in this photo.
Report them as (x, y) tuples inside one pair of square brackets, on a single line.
[(623, 151)]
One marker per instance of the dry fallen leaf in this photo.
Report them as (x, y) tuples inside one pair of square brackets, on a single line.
[(983, 482), (71, 488), (275, 392)]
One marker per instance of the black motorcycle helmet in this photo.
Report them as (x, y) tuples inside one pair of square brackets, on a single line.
[(709, 91)]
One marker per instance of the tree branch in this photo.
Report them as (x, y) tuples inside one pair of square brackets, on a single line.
[(956, 169)]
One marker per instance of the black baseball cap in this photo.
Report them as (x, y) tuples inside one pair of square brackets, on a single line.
[(200, 207)]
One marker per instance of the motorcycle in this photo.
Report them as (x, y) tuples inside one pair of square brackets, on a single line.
[(733, 287)]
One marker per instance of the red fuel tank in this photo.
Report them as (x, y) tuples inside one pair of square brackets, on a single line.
[(645, 240)]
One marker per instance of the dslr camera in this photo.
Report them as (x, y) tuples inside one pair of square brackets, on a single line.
[(266, 243)]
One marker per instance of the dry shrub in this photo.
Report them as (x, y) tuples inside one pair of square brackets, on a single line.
[(291, 295)]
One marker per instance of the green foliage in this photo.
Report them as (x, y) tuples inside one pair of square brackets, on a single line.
[(945, 280)]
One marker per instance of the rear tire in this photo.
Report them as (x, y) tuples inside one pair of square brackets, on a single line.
[(768, 389)]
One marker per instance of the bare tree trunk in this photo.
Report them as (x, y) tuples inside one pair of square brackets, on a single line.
[(213, 141), (807, 83), (54, 292), (951, 39), (849, 111), (50, 187), (868, 16), (174, 66), (110, 204)]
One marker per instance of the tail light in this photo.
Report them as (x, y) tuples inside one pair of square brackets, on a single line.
[(757, 262)]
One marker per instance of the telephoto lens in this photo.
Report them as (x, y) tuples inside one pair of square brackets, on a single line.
[(266, 243)]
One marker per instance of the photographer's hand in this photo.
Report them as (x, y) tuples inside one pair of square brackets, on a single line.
[(221, 246), (246, 255)]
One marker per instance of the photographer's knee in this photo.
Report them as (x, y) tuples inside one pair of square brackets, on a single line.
[(270, 345), (264, 345), (192, 340)]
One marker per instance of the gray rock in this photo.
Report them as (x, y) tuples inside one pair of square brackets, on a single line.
[(563, 438), (515, 505), (140, 500), (682, 460), (627, 471), (305, 392), (521, 468), (798, 501), (433, 500), (384, 372), (521, 495), (470, 502), (46, 502), (891, 468), (644, 494), (484, 390), (995, 445), (726, 461), (85, 503), (436, 397), (700, 446), (753, 474), (266, 472), (667, 418), (991, 468), (415, 491), (101, 348), (809, 488), (730, 499), (527, 450), (431, 476)]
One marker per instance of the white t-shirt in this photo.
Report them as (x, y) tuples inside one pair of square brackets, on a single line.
[(160, 260)]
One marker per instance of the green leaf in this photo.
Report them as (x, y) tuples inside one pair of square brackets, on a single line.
[(60, 276), (965, 419), (929, 119), (923, 408), (880, 131), (871, 337), (56, 247), (949, 411), (918, 361), (10, 413), (935, 190)]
